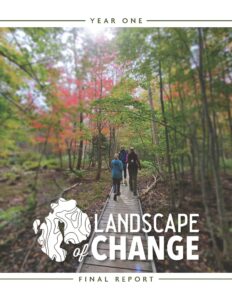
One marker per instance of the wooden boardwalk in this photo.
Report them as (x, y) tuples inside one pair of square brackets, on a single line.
[(126, 204)]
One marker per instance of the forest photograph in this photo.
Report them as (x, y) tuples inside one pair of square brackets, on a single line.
[(71, 99)]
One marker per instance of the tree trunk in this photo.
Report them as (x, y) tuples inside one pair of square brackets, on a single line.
[(99, 140), (112, 141), (81, 144), (99, 150), (166, 138), (153, 122)]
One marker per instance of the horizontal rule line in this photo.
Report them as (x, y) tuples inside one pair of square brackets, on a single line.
[(189, 20), (195, 278), (35, 278), (42, 20)]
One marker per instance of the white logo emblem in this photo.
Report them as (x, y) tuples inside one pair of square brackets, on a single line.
[(77, 228)]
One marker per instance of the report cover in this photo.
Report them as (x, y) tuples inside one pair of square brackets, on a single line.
[(115, 150)]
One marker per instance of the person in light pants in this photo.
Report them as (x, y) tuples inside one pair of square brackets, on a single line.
[(116, 170)]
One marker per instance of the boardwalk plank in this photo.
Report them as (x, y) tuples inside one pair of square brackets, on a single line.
[(125, 204), (139, 266), (103, 269)]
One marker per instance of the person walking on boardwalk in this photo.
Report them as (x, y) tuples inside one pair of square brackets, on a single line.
[(116, 169), (133, 166), (123, 157)]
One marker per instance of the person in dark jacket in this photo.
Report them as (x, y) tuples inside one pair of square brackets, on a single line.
[(116, 169), (133, 166), (123, 157)]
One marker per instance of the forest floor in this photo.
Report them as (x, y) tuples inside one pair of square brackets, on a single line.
[(157, 201), (17, 240)]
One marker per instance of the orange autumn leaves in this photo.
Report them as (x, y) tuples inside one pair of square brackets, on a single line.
[(58, 124)]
